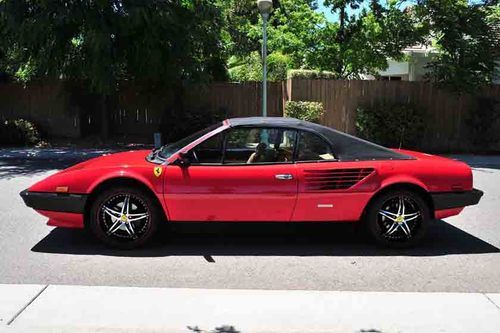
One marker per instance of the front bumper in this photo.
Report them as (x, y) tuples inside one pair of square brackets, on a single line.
[(448, 200), (56, 202)]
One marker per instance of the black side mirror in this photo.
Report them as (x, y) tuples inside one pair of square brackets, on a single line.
[(183, 160)]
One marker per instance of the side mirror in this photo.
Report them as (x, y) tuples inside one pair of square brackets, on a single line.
[(182, 160)]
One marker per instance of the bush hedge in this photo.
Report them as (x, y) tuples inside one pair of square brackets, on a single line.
[(304, 110), (391, 124), (310, 74), (19, 132), (482, 122)]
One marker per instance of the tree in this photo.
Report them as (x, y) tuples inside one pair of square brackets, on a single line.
[(462, 33), (102, 43), (365, 36), (291, 36)]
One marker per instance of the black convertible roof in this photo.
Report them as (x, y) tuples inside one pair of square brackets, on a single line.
[(346, 147)]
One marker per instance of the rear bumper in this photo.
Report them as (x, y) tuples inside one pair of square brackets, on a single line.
[(448, 200), (55, 202)]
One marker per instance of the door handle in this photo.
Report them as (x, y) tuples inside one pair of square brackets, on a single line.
[(285, 176)]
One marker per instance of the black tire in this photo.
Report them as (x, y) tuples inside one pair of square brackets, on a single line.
[(130, 234), (383, 223)]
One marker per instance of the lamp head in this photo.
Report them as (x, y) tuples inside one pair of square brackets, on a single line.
[(265, 6)]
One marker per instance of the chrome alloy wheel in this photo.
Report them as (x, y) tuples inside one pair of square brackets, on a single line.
[(124, 216), (399, 218)]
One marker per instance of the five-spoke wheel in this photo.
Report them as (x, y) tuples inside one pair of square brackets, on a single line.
[(124, 217), (397, 218)]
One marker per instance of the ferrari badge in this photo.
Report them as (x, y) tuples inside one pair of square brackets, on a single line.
[(157, 171)]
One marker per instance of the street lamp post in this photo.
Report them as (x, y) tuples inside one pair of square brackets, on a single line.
[(265, 7)]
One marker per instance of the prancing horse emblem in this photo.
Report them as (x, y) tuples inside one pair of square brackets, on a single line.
[(157, 171)]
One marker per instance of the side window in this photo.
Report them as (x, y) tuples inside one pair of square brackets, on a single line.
[(251, 145), (311, 147), (209, 151)]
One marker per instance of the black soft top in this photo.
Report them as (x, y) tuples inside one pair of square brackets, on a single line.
[(346, 147)]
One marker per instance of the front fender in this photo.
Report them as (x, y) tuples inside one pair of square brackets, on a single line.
[(146, 177)]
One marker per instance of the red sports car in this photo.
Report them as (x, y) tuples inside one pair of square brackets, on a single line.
[(257, 169)]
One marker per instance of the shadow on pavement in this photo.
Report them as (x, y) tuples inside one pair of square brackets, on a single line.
[(11, 168), (478, 161), (266, 239), (30, 161)]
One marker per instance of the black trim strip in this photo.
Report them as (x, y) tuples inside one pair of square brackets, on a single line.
[(57, 202), (447, 200)]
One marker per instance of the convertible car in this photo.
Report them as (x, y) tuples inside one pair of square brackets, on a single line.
[(257, 169)]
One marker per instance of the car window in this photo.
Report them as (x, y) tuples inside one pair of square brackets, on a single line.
[(312, 147), (208, 151), (170, 149), (247, 145)]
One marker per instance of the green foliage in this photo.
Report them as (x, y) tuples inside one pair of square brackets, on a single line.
[(291, 29), (311, 74), (465, 40), (391, 125), (304, 110), (483, 121), (249, 68), (361, 43), (19, 132), (103, 42)]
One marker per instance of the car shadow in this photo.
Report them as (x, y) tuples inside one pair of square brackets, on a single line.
[(266, 239), (15, 162), (478, 162)]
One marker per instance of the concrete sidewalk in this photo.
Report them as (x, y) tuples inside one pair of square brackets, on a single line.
[(39, 308)]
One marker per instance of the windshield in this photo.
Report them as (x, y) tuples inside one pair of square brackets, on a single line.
[(169, 149)]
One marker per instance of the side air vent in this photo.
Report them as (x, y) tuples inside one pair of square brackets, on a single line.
[(334, 179)]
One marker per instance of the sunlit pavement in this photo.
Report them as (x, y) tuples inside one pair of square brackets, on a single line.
[(75, 308), (450, 283)]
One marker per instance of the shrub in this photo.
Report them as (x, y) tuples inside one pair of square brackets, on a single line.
[(391, 124), (482, 123), (19, 132), (310, 74), (309, 111)]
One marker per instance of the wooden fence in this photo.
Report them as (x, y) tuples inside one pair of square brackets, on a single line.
[(48, 105), (141, 113), (446, 113), (137, 113)]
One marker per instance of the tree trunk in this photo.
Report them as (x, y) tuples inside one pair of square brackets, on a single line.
[(339, 67)]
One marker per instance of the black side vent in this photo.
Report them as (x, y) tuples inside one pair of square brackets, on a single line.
[(334, 179)]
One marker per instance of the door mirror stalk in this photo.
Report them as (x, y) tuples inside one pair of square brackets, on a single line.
[(182, 160)]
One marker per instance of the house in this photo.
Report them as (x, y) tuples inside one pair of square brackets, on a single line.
[(413, 68)]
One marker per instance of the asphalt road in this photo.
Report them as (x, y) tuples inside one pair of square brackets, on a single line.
[(461, 253)]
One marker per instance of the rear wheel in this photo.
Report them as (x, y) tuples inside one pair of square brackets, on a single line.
[(398, 219), (124, 217)]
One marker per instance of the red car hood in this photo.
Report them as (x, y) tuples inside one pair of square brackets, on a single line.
[(124, 159)]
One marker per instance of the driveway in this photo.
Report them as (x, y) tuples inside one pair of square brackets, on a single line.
[(461, 253)]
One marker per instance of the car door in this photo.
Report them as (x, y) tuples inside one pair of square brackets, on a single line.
[(231, 177), (329, 190)]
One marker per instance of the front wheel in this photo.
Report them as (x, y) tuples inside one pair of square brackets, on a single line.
[(124, 217), (398, 219)]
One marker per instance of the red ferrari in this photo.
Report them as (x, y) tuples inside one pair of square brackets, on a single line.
[(257, 169)]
